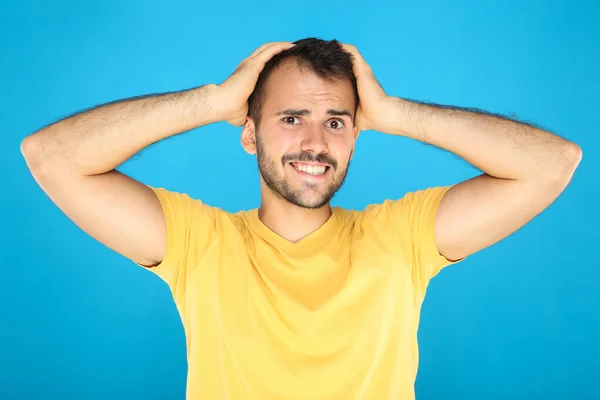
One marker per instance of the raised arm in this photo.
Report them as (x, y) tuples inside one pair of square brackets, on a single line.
[(74, 160), (525, 168)]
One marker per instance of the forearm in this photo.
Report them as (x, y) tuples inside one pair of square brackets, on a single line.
[(99, 140), (499, 147)]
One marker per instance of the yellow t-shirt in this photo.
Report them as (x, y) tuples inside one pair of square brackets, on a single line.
[(333, 316)]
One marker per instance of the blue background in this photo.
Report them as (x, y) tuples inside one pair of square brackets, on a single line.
[(519, 320)]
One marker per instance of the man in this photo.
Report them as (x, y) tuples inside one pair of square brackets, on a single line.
[(296, 299)]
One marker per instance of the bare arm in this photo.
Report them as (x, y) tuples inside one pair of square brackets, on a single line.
[(75, 160), (525, 170), (99, 140)]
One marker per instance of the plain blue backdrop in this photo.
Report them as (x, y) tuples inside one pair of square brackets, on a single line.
[(519, 320)]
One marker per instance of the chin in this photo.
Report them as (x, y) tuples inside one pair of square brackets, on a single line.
[(314, 205), (311, 201)]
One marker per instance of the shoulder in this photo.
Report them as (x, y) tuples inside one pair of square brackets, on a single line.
[(186, 208), (399, 211)]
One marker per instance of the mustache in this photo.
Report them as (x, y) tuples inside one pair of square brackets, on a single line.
[(309, 157)]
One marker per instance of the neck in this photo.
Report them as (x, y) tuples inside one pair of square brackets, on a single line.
[(289, 221)]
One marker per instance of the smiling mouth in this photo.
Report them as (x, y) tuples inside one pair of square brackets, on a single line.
[(310, 169)]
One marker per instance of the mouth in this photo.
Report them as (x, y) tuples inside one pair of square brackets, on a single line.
[(311, 170)]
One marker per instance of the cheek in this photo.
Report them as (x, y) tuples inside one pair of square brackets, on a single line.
[(280, 140), (343, 147), (286, 142)]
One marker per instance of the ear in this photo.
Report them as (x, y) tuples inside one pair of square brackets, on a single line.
[(356, 133), (248, 138)]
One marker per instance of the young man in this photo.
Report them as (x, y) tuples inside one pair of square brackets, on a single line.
[(296, 299)]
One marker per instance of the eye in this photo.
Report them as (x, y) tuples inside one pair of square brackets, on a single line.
[(339, 124), (289, 120)]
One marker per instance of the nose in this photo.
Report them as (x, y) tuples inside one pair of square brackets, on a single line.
[(315, 140)]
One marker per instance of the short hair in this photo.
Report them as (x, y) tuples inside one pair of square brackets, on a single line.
[(327, 59)]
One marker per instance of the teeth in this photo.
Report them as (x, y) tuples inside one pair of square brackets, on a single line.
[(310, 169)]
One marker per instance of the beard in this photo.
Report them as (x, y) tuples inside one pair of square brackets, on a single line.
[(307, 196)]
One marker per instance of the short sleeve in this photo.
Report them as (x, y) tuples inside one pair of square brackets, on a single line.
[(415, 216), (190, 225)]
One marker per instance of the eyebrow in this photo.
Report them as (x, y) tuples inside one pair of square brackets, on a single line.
[(293, 111)]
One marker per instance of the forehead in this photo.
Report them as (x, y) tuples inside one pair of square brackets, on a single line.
[(293, 85)]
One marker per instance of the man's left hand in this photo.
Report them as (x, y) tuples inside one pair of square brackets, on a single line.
[(375, 108)]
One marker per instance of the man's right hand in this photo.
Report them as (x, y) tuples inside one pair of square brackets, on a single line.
[(232, 95)]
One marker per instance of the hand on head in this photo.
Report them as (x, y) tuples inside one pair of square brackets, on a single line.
[(232, 95)]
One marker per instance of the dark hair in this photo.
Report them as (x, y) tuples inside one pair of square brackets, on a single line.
[(327, 59)]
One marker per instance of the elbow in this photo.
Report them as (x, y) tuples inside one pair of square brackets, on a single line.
[(572, 156), (30, 150), (562, 170), (576, 154), (36, 155)]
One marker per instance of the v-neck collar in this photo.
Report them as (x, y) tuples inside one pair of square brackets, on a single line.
[(305, 245)]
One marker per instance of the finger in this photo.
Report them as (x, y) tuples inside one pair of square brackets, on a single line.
[(258, 50), (359, 65), (261, 48), (353, 50), (253, 65), (267, 50), (270, 50)]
